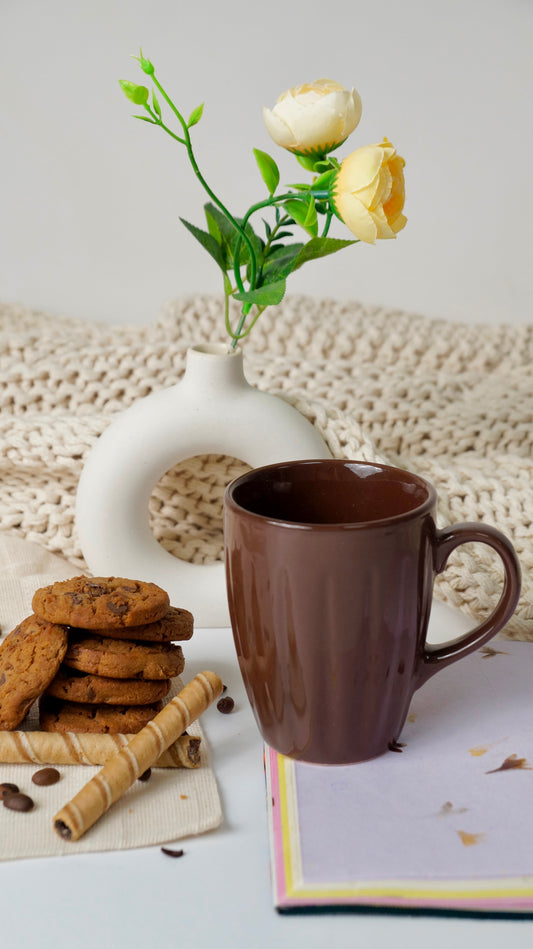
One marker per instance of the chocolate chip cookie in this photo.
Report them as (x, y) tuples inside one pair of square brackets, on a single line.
[(29, 659), (122, 659), (101, 602), (58, 716), (176, 625), (73, 686)]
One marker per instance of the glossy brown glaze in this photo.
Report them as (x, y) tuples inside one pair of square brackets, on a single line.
[(330, 568)]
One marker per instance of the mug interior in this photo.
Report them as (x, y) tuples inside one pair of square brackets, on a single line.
[(330, 492)]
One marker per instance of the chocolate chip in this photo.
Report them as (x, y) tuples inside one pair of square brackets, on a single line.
[(171, 853), (76, 598), (226, 705), (46, 776), (63, 830), (118, 609), (94, 589), (146, 775), (17, 802), (7, 788)]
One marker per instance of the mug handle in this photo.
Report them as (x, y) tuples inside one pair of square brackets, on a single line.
[(434, 658)]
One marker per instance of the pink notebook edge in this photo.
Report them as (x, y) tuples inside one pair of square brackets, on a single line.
[(512, 896)]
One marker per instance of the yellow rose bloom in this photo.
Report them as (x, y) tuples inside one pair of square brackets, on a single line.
[(368, 192), (313, 118)]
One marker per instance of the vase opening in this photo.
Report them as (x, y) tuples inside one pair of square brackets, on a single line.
[(186, 507), (213, 349)]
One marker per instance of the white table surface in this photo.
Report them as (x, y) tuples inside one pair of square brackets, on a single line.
[(219, 894)]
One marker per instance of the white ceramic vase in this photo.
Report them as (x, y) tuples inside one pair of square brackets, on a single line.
[(212, 410)]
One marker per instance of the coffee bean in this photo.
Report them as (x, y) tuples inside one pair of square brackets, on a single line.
[(17, 802), (226, 705), (171, 853), (46, 776), (7, 788), (146, 775)]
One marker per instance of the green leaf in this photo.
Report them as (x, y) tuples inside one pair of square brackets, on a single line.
[(322, 166), (133, 92), (155, 101), (280, 235), (268, 168), (307, 162), (297, 210), (323, 181), (280, 262), (311, 222), (212, 225), (229, 235), (208, 242), (267, 295), (304, 213), (217, 221), (145, 118), (195, 115), (319, 247)]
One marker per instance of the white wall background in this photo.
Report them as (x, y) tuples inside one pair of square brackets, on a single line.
[(90, 198)]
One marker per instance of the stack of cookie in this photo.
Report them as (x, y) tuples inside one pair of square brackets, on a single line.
[(110, 646)]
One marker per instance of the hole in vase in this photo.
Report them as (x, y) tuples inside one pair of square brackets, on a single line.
[(186, 507)]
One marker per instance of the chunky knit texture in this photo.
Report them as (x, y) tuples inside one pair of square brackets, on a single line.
[(449, 401)]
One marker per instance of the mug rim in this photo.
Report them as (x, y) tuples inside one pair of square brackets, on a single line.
[(421, 509)]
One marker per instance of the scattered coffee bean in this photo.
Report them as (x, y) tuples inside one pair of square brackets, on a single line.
[(396, 745), (226, 705), (8, 788), (46, 776), (224, 688), (146, 775), (17, 802), (171, 853)]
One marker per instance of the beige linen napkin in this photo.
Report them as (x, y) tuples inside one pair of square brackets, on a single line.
[(174, 803)]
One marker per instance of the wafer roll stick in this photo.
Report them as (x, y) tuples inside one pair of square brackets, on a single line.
[(35, 747), (141, 753)]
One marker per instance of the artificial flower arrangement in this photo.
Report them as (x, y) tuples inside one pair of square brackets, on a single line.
[(365, 190)]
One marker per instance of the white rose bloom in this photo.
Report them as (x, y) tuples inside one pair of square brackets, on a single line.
[(314, 117)]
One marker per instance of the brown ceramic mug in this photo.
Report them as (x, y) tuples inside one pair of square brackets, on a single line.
[(330, 568)]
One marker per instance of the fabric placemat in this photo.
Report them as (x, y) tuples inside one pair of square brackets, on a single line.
[(174, 803)]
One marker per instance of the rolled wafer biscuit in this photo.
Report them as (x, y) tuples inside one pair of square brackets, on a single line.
[(141, 753), (37, 747)]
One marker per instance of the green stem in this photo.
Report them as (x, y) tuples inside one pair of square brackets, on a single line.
[(242, 236), (329, 216), (275, 229), (268, 202), (271, 202), (239, 333)]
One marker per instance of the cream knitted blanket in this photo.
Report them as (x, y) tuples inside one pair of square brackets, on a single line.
[(452, 402)]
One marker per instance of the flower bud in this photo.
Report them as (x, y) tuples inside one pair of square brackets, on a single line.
[(146, 65), (133, 92), (314, 118), (368, 192)]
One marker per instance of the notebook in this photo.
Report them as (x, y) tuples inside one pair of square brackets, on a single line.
[(443, 824)]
